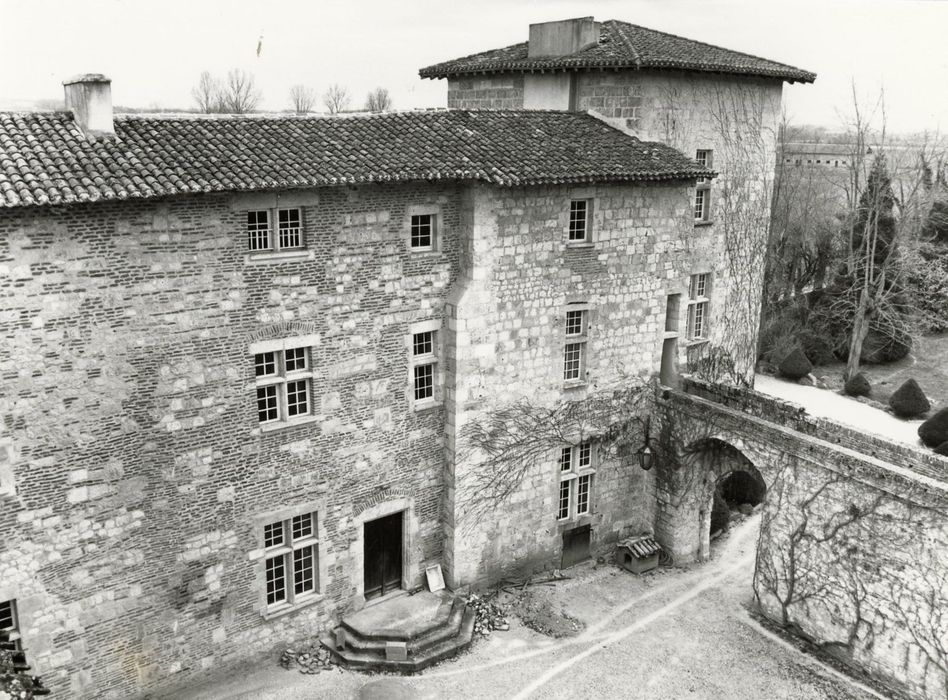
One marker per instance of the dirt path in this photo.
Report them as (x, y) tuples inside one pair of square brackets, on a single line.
[(672, 634)]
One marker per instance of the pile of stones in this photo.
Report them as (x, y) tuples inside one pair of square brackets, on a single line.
[(311, 658), (489, 615)]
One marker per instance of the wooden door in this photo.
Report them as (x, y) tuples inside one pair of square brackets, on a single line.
[(575, 546), (383, 555)]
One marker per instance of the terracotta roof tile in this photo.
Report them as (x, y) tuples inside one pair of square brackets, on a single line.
[(46, 159), (624, 45)]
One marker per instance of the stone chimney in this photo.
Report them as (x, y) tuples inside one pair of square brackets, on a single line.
[(562, 38), (89, 97)]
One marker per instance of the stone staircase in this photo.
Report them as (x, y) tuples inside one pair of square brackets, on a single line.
[(404, 634)]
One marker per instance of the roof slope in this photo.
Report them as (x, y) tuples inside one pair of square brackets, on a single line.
[(624, 45), (45, 159)]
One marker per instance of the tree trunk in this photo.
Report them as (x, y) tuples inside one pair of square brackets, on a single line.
[(860, 330)]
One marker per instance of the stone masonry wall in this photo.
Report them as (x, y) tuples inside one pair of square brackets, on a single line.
[(853, 551), (503, 91), (508, 319), (135, 473)]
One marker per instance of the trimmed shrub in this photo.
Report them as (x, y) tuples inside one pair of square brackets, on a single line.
[(909, 401), (934, 431), (858, 385), (942, 449), (795, 365)]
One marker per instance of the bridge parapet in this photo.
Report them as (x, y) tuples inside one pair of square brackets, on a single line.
[(792, 416)]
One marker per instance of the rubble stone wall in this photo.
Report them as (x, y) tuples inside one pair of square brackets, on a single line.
[(508, 320), (504, 91), (135, 472)]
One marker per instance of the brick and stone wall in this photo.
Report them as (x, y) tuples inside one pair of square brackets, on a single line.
[(507, 319), (135, 472), (853, 550)]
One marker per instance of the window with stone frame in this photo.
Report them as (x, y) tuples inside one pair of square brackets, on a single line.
[(699, 306), (423, 364), (580, 221), (575, 472), (273, 230), (9, 623), (574, 349), (702, 209), (291, 560), (423, 232), (284, 385)]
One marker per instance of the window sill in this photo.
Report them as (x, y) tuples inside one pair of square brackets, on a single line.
[(580, 244), (574, 384), (668, 335), (423, 406), (279, 255), (698, 341), (280, 425), (302, 602), (699, 224)]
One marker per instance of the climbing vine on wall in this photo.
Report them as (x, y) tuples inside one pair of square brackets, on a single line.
[(501, 446)]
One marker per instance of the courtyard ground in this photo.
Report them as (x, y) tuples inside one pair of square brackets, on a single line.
[(671, 633)]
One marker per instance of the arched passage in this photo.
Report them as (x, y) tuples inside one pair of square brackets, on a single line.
[(731, 484)]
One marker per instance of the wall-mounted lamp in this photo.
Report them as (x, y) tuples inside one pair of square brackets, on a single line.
[(645, 455)]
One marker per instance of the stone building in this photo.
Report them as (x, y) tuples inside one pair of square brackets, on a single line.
[(241, 352)]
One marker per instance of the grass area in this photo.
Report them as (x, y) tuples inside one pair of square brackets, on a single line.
[(927, 364)]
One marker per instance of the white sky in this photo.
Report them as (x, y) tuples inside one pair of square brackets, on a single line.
[(154, 50)]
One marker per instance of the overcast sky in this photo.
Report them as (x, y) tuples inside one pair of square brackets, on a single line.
[(154, 50)]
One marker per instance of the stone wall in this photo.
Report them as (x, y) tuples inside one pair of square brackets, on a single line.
[(853, 551), (503, 91), (507, 317), (135, 471)]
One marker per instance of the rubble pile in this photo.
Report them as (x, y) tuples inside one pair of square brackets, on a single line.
[(311, 658), (490, 616)]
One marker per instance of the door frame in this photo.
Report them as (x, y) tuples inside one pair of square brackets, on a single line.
[(392, 547), (411, 549)]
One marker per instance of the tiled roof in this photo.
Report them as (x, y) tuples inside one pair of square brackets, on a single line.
[(642, 546), (45, 158), (624, 45)]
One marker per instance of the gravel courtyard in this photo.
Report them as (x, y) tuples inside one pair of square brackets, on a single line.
[(668, 634)]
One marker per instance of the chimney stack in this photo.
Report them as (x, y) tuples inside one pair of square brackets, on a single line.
[(89, 97), (548, 39)]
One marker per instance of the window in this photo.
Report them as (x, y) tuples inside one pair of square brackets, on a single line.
[(423, 232), (284, 384), (703, 187), (291, 559), (576, 471), (580, 221), (574, 351), (8, 623), (423, 363), (699, 292), (289, 230)]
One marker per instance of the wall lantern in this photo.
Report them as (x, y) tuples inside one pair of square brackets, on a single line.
[(645, 456)]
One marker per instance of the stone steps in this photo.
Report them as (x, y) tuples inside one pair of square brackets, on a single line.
[(407, 649)]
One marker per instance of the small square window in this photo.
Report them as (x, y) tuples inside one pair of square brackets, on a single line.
[(422, 231), (423, 343), (297, 398), (295, 359), (579, 225), (273, 534), (264, 364), (575, 322), (302, 526), (289, 230)]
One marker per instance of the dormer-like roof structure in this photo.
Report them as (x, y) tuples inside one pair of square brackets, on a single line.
[(622, 46)]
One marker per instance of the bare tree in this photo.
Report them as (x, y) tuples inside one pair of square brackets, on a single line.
[(378, 100), (336, 98), (302, 99), (207, 93), (239, 94)]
